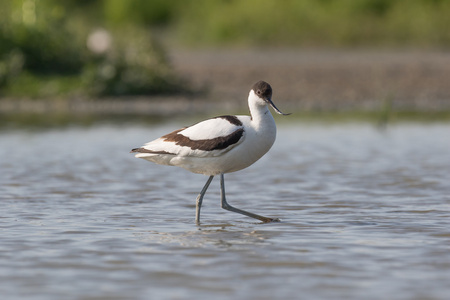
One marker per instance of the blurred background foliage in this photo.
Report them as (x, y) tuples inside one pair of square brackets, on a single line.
[(317, 23), (52, 48)]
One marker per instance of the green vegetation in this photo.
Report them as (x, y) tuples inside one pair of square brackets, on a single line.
[(52, 48), (317, 23), (62, 49), (66, 119)]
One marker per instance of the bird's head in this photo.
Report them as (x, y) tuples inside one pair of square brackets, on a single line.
[(262, 91)]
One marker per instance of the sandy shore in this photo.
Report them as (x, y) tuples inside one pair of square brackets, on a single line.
[(302, 81)]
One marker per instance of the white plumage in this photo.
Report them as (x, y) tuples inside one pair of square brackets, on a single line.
[(219, 145)]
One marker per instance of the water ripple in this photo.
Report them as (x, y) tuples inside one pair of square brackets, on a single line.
[(364, 215)]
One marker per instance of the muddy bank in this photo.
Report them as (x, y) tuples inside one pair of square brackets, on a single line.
[(302, 81), (326, 80)]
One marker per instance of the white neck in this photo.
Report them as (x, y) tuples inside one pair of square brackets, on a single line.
[(259, 110), (262, 131)]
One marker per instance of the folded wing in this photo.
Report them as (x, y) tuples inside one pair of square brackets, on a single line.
[(212, 137)]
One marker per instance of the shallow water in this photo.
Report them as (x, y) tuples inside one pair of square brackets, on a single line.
[(365, 215)]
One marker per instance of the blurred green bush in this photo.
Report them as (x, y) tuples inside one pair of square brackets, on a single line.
[(54, 48)]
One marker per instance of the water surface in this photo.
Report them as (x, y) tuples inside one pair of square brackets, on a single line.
[(365, 215)]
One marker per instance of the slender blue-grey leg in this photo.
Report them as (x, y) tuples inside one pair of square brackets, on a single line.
[(200, 199), (227, 206)]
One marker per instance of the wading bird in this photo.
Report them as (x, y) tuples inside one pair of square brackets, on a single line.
[(220, 145)]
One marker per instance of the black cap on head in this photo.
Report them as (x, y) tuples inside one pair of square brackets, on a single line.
[(262, 89)]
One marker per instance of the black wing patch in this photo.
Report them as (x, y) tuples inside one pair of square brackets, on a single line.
[(232, 119), (217, 143)]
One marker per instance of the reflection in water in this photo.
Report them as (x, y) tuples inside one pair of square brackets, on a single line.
[(364, 215), (221, 236)]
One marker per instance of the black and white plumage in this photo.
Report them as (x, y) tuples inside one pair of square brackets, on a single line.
[(219, 145)]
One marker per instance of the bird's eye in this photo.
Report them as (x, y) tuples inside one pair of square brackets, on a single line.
[(258, 92)]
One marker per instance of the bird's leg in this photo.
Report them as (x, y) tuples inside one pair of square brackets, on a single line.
[(200, 199), (227, 206)]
